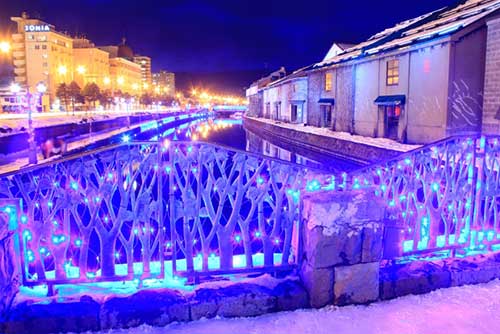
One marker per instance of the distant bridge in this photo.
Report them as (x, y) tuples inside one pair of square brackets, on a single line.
[(227, 111)]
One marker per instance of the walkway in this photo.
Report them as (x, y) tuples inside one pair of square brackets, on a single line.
[(376, 142)]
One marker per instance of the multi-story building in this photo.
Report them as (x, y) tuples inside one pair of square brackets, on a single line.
[(424, 79), (125, 75), (164, 83), (41, 54), (145, 63), (91, 64), (255, 93)]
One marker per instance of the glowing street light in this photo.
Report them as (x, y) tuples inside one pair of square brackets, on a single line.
[(5, 47), (81, 69), (107, 80), (62, 70), (135, 86), (41, 88), (15, 88), (120, 80)]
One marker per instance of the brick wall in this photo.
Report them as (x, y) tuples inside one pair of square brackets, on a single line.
[(491, 104)]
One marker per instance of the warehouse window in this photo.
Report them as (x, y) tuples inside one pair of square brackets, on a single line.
[(328, 81), (393, 72)]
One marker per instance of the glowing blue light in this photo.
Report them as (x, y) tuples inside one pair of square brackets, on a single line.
[(27, 234), (57, 239), (237, 238), (313, 185), (435, 186), (74, 185), (78, 242), (125, 138)]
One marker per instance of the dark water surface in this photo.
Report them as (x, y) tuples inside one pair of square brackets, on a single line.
[(233, 133)]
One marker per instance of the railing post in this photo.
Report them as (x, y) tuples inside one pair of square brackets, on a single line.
[(9, 256), (343, 239)]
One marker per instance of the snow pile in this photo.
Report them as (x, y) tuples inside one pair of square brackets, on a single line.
[(468, 309)]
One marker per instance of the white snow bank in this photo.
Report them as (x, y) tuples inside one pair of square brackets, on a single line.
[(377, 142), (468, 309)]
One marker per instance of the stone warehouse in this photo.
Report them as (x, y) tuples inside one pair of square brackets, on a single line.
[(424, 79)]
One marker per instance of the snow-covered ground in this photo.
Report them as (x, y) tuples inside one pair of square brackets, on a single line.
[(467, 310), (377, 142)]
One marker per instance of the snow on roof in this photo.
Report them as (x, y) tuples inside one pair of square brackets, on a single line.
[(439, 23)]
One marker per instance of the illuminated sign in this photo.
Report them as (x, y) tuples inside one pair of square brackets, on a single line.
[(34, 28)]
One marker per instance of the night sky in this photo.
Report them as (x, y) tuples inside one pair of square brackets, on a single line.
[(224, 43)]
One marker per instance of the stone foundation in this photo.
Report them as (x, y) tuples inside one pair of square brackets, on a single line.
[(421, 277), (157, 307)]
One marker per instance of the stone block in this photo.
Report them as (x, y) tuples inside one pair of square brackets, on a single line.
[(342, 228), (153, 307), (373, 244), (80, 316), (236, 300), (415, 278), (465, 272), (356, 284), (290, 295), (319, 285)]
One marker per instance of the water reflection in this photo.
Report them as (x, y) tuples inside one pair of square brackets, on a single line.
[(231, 132)]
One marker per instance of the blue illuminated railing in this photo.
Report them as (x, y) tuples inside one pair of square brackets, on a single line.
[(148, 209), (442, 197), (144, 209)]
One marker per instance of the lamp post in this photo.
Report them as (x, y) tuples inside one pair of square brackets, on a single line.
[(41, 89)]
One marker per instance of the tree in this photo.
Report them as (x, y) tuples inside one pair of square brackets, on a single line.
[(75, 93), (146, 99), (91, 93), (106, 98), (62, 94)]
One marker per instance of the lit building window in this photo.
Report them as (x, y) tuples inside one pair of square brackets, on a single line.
[(328, 81), (393, 72)]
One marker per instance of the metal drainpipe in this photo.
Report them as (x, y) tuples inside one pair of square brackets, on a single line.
[(378, 94), (353, 97), (407, 102)]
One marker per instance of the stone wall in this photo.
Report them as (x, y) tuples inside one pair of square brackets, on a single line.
[(157, 307), (349, 150), (314, 88), (344, 103), (343, 234), (491, 104), (255, 105)]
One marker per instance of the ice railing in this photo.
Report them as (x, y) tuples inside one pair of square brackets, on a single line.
[(143, 209)]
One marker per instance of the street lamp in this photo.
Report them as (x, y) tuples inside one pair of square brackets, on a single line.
[(5, 47), (81, 69), (41, 89)]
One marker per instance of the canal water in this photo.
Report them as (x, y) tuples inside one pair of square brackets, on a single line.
[(234, 134)]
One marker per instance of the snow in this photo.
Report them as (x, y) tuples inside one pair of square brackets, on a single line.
[(376, 142), (459, 310)]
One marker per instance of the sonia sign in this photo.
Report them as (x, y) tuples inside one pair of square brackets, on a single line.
[(33, 28)]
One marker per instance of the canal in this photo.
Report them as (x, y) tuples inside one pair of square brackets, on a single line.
[(234, 134)]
